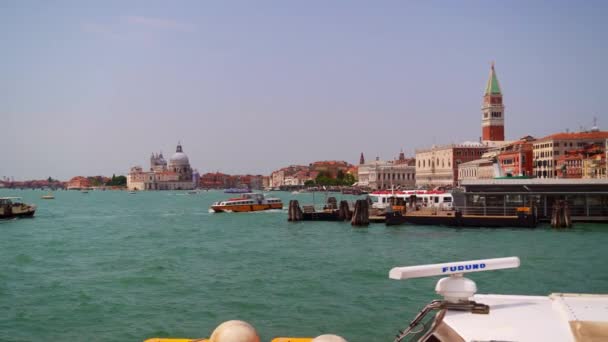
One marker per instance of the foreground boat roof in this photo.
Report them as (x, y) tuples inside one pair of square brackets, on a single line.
[(558, 317)]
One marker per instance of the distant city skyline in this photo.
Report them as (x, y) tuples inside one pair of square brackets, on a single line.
[(249, 87)]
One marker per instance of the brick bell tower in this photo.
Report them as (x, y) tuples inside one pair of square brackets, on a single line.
[(493, 111)]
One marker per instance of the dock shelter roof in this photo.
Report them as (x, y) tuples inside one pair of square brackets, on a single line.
[(537, 185)]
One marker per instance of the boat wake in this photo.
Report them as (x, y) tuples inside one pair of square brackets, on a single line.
[(269, 211)]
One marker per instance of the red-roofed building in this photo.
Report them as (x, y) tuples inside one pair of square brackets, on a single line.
[(215, 180), (78, 183), (549, 149), (587, 162), (516, 159), (330, 167), (570, 165), (285, 175)]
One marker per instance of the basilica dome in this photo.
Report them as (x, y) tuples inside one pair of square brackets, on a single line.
[(179, 158)]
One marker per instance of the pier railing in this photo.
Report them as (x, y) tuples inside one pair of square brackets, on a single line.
[(491, 211), (581, 205)]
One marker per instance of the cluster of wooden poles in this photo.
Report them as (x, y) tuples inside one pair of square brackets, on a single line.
[(358, 217), (560, 217)]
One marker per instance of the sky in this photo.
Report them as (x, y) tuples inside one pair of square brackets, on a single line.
[(93, 88)]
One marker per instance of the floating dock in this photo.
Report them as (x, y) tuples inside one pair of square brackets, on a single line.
[(586, 200)]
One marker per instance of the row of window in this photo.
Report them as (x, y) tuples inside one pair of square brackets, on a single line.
[(468, 152), (513, 160), (546, 154), (543, 163), (431, 163), (397, 176), (240, 203), (494, 115), (546, 174), (468, 173), (566, 144)]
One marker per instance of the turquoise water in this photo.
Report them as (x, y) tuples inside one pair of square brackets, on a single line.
[(110, 266)]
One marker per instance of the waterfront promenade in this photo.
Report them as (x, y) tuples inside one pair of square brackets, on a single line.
[(112, 266)]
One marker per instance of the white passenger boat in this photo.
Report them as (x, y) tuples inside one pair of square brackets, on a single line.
[(11, 207), (424, 198)]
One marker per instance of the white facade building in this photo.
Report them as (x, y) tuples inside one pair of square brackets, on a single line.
[(176, 175), (387, 174)]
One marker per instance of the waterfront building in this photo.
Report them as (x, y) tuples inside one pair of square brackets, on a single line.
[(265, 182), (483, 168), (586, 162), (398, 174), (330, 167), (215, 180), (438, 165), (77, 183), (248, 181), (493, 111), (548, 150), (516, 158), (175, 175), (595, 166), (570, 165), (277, 178)]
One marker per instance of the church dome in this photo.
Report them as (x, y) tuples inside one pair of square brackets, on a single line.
[(179, 158)]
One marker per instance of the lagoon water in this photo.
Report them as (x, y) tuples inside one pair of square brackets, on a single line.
[(111, 266)]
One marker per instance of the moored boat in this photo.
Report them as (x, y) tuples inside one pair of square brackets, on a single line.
[(248, 202), (14, 207), (425, 198)]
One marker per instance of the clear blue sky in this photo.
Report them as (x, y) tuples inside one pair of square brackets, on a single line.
[(91, 88)]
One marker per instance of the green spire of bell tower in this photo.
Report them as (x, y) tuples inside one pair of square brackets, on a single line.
[(492, 88)]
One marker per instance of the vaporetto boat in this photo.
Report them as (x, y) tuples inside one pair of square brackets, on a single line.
[(247, 203), (463, 315), (427, 198)]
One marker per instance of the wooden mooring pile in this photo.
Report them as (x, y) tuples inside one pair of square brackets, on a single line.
[(295, 212), (560, 217), (361, 213)]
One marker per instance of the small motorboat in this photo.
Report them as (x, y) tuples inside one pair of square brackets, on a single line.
[(14, 207), (48, 196)]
